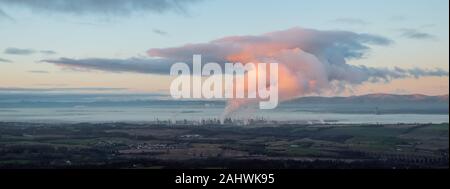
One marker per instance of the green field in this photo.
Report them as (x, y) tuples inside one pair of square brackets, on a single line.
[(120, 145)]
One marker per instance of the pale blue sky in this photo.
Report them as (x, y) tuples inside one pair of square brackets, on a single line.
[(124, 36), (102, 35)]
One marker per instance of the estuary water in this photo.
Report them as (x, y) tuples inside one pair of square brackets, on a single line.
[(149, 108), (148, 114)]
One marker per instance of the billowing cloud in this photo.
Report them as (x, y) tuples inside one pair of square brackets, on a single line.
[(342, 43), (415, 34), (5, 60), (102, 7), (331, 49), (310, 61)]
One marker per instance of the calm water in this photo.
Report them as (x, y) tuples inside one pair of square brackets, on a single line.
[(133, 114), (149, 107)]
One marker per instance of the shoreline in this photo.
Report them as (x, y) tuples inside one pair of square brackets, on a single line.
[(269, 124)]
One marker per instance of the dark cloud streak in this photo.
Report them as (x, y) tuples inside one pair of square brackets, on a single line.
[(48, 52), (5, 16), (160, 32), (18, 51), (137, 65), (351, 21), (415, 34), (5, 60), (90, 89), (100, 7), (39, 71)]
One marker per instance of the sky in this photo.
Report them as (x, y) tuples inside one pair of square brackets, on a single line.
[(386, 46)]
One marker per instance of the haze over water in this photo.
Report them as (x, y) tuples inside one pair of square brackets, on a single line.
[(148, 108)]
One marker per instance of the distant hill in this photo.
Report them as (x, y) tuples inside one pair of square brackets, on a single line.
[(378, 98), (368, 104), (373, 103)]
